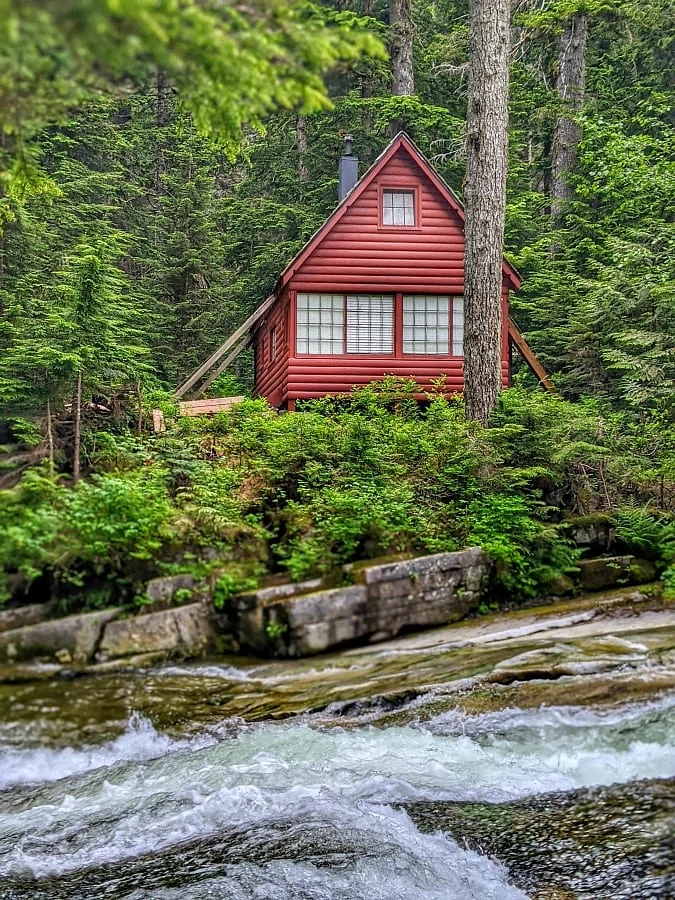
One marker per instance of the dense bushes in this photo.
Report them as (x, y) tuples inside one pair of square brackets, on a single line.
[(340, 480)]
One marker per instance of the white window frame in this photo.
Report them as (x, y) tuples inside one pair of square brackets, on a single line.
[(398, 208), (426, 325), (458, 325), (345, 324), (320, 324)]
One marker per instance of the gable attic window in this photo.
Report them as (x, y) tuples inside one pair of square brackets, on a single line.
[(398, 208)]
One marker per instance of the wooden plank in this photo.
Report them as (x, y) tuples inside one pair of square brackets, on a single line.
[(528, 355), (158, 420), (207, 407), (229, 343)]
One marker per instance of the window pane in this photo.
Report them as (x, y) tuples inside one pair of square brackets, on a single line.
[(320, 323), (398, 207), (370, 324), (425, 324), (458, 326)]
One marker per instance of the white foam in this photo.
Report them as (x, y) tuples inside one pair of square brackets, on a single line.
[(396, 862), (152, 793), (227, 673), (140, 741)]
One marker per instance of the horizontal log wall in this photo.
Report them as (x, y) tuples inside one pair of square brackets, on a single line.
[(270, 378), (360, 254)]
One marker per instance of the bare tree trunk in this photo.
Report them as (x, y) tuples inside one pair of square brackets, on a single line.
[(401, 51), (2, 271), (2, 243), (50, 437), (161, 119), (485, 195), (78, 424), (401, 48), (570, 84), (139, 400), (302, 143)]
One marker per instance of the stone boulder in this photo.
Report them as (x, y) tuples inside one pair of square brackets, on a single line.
[(612, 571), (594, 533), (181, 631), (414, 593), (20, 616), (70, 639)]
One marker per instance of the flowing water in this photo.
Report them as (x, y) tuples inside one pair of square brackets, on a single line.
[(417, 797), (297, 809)]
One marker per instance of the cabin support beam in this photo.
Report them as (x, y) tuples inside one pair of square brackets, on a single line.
[(230, 343), (517, 340)]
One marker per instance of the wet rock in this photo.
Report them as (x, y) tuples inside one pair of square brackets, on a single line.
[(389, 597), (159, 590), (76, 635), (609, 842), (124, 664), (597, 574), (25, 673), (182, 631), (20, 616), (561, 585)]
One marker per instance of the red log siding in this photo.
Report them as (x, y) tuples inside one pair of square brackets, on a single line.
[(270, 375), (358, 255)]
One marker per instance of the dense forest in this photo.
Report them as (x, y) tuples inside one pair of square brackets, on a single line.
[(143, 218)]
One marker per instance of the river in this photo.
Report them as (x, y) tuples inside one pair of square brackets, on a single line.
[(196, 781)]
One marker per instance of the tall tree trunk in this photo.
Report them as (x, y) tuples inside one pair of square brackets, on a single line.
[(401, 51), (570, 84), (161, 120), (302, 143), (78, 424), (139, 400), (2, 270), (485, 195), (50, 437)]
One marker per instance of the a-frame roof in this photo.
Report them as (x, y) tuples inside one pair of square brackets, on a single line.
[(400, 142)]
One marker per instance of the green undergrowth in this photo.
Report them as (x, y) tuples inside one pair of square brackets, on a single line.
[(252, 492)]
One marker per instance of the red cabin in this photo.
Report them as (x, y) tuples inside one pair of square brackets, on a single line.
[(378, 290)]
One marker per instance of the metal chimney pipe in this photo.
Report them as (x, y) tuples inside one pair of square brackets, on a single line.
[(348, 169)]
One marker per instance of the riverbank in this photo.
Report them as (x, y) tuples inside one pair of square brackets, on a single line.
[(603, 646)]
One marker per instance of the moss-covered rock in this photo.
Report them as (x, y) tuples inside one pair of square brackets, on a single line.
[(606, 572)]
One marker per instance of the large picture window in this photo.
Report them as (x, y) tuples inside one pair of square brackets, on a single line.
[(426, 327), (338, 323), (335, 324), (370, 324), (320, 323), (398, 208)]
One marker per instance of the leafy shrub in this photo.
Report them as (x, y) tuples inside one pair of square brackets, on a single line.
[(344, 479)]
